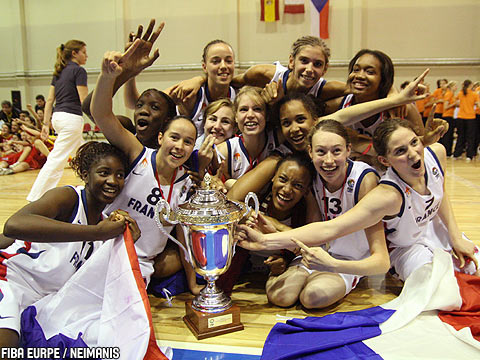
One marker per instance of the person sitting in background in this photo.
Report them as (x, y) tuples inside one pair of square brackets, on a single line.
[(8, 112), (40, 100)]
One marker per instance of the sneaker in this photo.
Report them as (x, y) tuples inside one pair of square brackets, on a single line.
[(468, 159), (6, 171)]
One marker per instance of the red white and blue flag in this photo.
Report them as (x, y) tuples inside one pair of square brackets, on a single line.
[(409, 327), (103, 307), (319, 10)]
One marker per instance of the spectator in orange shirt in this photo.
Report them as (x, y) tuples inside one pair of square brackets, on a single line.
[(449, 104), (428, 103), (476, 88), (438, 94), (466, 124)]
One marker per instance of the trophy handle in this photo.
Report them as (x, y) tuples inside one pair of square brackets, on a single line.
[(164, 205), (252, 195)]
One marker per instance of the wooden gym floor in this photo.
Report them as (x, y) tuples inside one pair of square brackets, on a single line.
[(258, 316)]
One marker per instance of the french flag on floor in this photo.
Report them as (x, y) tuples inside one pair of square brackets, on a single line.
[(104, 307), (408, 327)]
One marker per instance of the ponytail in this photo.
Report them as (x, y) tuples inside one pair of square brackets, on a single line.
[(466, 84), (64, 54)]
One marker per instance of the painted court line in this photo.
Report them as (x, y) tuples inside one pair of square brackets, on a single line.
[(210, 347), (464, 181)]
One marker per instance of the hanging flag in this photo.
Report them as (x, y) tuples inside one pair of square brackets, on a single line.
[(294, 7), (406, 327), (319, 18), (102, 311), (269, 10)]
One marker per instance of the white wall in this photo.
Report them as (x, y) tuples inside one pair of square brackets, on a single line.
[(441, 34)]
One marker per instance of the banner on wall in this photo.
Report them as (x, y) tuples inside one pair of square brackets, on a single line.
[(319, 18), (294, 7), (269, 10)]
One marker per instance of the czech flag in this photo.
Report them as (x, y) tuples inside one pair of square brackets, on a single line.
[(269, 10), (104, 307), (319, 18), (409, 327)]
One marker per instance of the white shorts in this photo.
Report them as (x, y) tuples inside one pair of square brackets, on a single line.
[(14, 298), (406, 260), (351, 281)]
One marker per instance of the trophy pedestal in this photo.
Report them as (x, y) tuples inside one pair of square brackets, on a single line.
[(204, 325)]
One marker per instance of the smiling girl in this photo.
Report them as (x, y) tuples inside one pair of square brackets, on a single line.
[(370, 78), (339, 184), (154, 174), (296, 114), (308, 62), (410, 199), (255, 143), (58, 233), (218, 64)]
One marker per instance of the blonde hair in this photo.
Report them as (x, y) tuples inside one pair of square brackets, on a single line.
[(213, 107), (451, 84), (252, 92), (65, 53), (312, 41)]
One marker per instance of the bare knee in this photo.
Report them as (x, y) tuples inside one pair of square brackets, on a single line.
[(283, 290), (282, 297), (314, 297)]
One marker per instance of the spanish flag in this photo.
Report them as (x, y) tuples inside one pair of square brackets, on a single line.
[(269, 10)]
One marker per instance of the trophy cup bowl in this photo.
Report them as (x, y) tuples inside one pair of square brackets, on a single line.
[(208, 221)]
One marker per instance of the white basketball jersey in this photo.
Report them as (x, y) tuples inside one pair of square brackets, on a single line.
[(45, 267), (238, 160), (281, 72), (139, 197), (203, 99), (353, 246), (417, 212), (358, 126)]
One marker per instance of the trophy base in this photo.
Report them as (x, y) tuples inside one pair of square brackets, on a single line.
[(204, 325)]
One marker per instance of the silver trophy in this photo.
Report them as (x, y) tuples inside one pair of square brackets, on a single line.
[(208, 221)]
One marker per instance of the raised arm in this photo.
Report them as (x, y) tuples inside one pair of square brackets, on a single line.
[(358, 112), (139, 60), (101, 107), (35, 115), (44, 221)]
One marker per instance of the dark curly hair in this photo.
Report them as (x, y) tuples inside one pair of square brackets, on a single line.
[(91, 152)]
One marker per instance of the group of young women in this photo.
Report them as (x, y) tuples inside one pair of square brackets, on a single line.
[(263, 137)]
